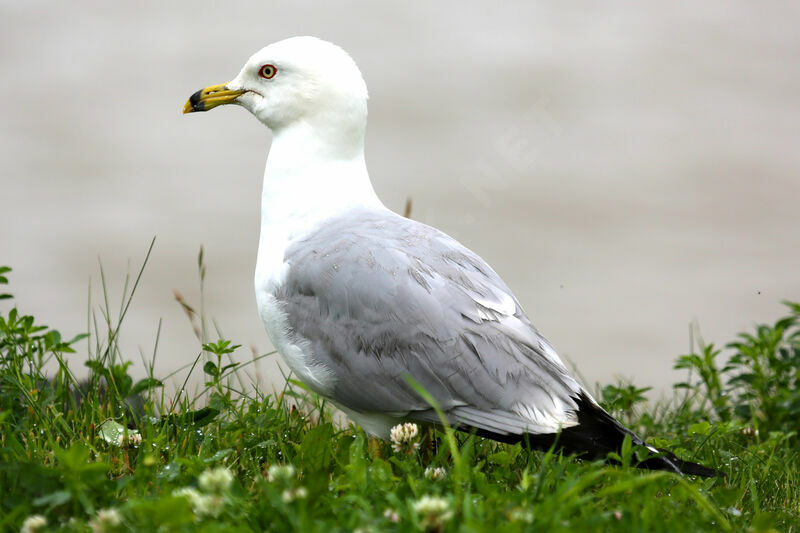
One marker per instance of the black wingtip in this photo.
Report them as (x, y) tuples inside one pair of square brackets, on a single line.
[(607, 434), (595, 436), (689, 468)]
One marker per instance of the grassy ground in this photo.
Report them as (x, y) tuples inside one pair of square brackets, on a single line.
[(85, 457)]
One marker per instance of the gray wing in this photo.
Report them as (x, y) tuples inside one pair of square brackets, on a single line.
[(378, 297)]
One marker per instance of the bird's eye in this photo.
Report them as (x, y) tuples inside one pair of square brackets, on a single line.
[(267, 71)]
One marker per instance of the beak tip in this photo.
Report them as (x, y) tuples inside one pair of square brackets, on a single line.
[(211, 97), (193, 104)]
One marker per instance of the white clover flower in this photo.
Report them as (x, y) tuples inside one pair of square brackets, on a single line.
[(106, 520), (750, 432), (391, 515), (197, 500), (518, 514), (216, 480), (435, 473), (290, 495), (134, 438), (403, 437), (281, 473), (433, 511), (202, 504), (33, 523), (215, 504), (195, 497)]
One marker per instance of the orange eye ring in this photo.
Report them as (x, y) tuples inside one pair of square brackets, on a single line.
[(267, 71)]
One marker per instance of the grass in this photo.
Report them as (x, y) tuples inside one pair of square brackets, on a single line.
[(115, 454)]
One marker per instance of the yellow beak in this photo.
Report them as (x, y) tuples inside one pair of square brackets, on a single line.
[(211, 97)]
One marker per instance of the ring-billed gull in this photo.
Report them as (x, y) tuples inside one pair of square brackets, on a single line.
[(363, 303)]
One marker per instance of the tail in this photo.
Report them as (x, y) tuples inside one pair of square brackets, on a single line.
[(596, 435)]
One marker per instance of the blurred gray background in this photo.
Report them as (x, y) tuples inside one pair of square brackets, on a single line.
[(627, 167)]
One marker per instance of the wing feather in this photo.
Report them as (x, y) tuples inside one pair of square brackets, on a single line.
[(378, 298)]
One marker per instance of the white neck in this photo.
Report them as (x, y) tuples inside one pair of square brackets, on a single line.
[(309, 177)]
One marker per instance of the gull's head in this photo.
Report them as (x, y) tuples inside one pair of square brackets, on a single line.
[(301, 79)]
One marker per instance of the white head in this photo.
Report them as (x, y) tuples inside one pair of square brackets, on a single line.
[(298, 81)]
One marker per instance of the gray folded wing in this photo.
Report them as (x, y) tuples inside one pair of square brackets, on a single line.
[(378, 297)]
